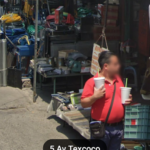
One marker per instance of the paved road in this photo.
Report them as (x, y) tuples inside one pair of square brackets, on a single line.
[(25, 125)]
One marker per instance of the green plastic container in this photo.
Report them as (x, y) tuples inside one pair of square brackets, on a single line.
[(148, 135), (141, 121), (135, 135), (136, 128), (134, 115), (137, 122), (143, 108), (75, 98)]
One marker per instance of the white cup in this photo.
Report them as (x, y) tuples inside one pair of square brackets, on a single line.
[(125, 94), (99, 82)]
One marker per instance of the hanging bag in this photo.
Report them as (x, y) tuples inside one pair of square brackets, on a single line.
[(97, 49)]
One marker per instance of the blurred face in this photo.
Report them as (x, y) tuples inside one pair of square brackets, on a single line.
[(113, 67)]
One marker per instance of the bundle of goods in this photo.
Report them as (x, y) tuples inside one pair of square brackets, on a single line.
[(18, 36), (31, 29), (17, 24), (9, 18), (83, 12), (62, 17)]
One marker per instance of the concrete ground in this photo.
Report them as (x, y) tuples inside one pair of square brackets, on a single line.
[(25, 125)]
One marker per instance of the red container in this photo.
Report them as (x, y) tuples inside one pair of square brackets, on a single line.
[(59, 15)]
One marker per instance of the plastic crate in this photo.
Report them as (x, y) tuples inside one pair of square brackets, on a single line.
[(149, 128), (148, 135), (26, 50), (137, 122), (135, 135), (143, 108), (141, 121), (136, 128), (136, 115)]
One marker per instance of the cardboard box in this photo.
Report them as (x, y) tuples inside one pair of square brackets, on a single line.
[(64, 53), (85, 69)]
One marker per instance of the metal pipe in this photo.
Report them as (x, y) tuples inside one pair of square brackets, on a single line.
[(3, 64), (48, 7), (11, 42), (35, 51)]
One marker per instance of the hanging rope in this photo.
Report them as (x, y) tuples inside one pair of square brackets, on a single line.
[(103, 35)]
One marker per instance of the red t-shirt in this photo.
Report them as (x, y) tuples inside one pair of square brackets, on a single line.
[(101, 106)]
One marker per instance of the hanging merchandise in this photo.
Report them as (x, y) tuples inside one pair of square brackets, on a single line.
[(28, 13), (97, 49), (28, 10), (10, 18)]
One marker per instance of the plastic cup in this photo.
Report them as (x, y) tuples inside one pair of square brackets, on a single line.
[(99, 82), (125, 94)]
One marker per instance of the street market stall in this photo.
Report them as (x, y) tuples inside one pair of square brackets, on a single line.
[(58, 39)]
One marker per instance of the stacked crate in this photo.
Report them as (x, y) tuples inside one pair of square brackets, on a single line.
[(137, 122)]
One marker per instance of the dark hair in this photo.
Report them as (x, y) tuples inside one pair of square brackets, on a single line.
[(104, 58)]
